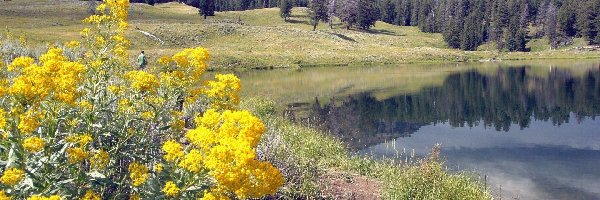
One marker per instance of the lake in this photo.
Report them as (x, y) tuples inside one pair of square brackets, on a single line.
[(531, 127)]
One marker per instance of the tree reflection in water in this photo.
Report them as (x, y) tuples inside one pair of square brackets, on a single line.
[(499, 99)]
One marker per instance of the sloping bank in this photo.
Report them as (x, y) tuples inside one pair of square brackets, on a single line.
[(314, 164)]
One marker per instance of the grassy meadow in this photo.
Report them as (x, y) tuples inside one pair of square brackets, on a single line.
[(256, 38)]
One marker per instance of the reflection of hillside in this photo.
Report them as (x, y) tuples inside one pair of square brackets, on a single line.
[(508, 96)]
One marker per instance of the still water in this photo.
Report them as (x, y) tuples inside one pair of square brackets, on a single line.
[(533, 128)]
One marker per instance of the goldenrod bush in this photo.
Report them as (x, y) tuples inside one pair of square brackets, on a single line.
[(79, 122)]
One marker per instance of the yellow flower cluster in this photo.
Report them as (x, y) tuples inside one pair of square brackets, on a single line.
[(28, 122), (39, 197), (55, 75), (12, 176), (138, 173), (34, 144), (173, 150), (158, 168), (193, 61), (100, 160), (192, 161), (80, 139), (142, 81), (3, 196), (170, 189), (90, 195), (228, 141), (224, 92), (2, 119), (76, 155), (117, 17)]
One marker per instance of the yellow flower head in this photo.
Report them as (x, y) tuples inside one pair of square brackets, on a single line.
[(2, 119), (29, 122), (34, 144), (170, 189), (142, 81), (12, 176), (39, 197), (192, 161), (76, 155), (80, 139), (158, 168), (138, 173), (224, 93), (90, 195), (173, 150), (147, 115), (3, 196), (100, 160)]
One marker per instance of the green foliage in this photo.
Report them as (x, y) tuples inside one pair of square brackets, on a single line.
[(368, 14), (428, 180), (317, 12), (285, 9)]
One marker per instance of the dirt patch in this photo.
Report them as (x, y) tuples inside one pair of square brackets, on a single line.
[(342, 185)]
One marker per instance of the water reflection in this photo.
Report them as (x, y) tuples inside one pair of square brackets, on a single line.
[(535, 135), (506, 97)]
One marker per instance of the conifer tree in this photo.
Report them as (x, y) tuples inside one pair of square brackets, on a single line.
[(349, 12), (368, 14), (317, 12), (285, 9)]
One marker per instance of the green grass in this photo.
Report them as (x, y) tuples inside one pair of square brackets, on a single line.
[(306, 155), (255, 38)]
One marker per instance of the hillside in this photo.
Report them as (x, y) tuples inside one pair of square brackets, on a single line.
[(251, 39)]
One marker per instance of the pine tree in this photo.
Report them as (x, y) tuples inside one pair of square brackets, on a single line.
[(349, 12), (331, 12), (285, 9), (551, 25), (388, 11), (368, 14), (317, 12), (566, 20)]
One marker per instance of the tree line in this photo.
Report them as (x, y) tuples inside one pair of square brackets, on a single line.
[(466, 24)]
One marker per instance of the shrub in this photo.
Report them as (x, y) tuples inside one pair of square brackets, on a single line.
[(90, 126)]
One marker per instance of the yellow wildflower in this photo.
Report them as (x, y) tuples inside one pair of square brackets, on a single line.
[(224, 93), (34, 144), (12, 176), (3, 196), (170, 189), (192, 161), (135, 197), (173, 150), (90, 195), (165, 60), (213, 196), (138, 173), (72, 44), (81, 139), (85, 32), (147, 115), (28, 122), (2, 119), (142, 81), (100, 160), (158, 168), (86, 105), (76, 155), (39, 197)]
